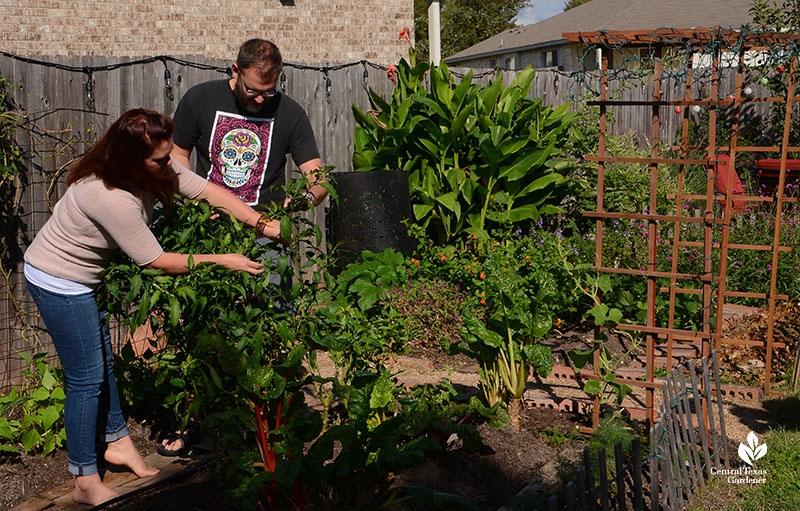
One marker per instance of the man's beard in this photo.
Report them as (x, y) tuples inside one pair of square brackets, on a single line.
[(245, 102)]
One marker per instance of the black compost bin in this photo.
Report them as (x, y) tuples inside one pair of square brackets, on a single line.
[(372, 206)]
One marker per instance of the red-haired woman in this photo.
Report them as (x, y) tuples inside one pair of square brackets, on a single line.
[(110, 197)]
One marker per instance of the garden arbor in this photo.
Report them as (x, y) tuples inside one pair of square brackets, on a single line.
[(677, 54)]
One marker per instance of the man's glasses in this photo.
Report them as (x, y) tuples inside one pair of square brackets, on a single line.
[(265, 94)]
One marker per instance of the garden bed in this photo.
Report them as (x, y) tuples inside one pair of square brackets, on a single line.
[(512, 460)]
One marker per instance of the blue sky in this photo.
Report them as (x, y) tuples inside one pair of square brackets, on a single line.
[(539, 10)]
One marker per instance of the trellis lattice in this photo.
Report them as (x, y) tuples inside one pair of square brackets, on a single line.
[(730, 51)]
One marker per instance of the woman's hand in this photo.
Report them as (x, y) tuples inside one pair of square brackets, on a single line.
[(238, 262)]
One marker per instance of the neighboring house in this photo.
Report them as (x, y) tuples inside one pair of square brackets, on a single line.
[(306, 31), (543, 46)]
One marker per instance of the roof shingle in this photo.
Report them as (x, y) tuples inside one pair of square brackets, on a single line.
[(614, 15)]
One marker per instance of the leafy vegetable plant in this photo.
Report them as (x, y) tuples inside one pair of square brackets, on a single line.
[(38, 407)]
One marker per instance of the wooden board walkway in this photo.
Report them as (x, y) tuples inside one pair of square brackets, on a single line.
[(124, 483)]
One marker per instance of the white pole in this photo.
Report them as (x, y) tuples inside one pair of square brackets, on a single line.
[(434, 31)]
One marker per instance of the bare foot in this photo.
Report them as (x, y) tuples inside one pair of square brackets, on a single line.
[(92, 490), (123, 452)]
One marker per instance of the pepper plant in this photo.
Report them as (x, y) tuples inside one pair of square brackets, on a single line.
[(477, 156), (352, 328)]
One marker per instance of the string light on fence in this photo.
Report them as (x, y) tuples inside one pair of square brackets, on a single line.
[(89, 89), (283, 82), (168, 81), (327, 85)]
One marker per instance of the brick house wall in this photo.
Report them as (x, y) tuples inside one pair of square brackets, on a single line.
[(306, 31)]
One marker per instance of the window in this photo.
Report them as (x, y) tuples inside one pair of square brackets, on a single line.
[(550, 58)]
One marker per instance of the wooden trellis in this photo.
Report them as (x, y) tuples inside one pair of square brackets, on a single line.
[(711, 289)]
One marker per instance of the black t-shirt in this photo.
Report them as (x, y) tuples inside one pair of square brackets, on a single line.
[(239, 150)]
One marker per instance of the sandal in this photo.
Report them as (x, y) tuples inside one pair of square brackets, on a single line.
[(188, 437)]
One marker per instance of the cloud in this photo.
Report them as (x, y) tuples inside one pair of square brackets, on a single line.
[(539, 10)]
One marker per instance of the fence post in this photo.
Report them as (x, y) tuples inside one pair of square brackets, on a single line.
[(581, 489), (587, 464), (601, 460), (700, 410), (695, 459), (715, 365), (682, 427), (570, 491), (655, 438), (620, 476), (638, 504)]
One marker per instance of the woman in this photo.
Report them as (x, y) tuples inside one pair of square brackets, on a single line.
[(110, 196)]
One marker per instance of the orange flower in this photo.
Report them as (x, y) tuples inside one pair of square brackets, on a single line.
[(483, 294), (483, 302), (483, 275), (558, 322), (404, 34), (391, 73)]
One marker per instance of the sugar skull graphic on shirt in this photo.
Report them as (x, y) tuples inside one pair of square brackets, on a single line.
[(239, 152)]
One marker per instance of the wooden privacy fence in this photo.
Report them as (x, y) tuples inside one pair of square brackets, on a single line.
[(685, 443), (66, 103)]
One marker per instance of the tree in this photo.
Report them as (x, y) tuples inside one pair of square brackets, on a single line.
[(569, 4), (770, 16), (464, 23)]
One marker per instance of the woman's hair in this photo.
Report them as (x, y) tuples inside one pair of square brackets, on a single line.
[(118, 159)]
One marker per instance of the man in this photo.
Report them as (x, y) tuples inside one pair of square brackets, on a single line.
[(243, 128)]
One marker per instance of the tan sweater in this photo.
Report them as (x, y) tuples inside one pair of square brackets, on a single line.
[(91, 222)]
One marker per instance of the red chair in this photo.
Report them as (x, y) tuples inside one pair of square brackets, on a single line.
[(720, 169), (769, 172)]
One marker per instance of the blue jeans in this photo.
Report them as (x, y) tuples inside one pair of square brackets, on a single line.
[(92, 404)]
